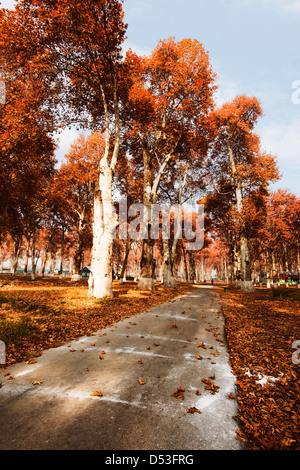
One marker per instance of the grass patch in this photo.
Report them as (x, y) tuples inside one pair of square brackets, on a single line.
[(17, 331), (286, 293)]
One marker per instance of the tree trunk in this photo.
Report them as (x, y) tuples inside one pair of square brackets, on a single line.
[(274, 271), (77, 259), (17, 248), (43, 266), (245, 262), (168, 274), (33, 255), (62, 249), (124, 266), (186, 270), (103, 232), (147, 264), (246, 283), (27, 255), (191, 267)]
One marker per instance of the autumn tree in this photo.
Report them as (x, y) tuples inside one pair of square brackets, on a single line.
[(279, 234), (27, 158), (172, 92), (239, 168), (75, 47), (75, 184)]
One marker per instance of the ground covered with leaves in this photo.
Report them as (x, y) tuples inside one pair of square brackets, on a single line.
[(47, 312), (261, 328)]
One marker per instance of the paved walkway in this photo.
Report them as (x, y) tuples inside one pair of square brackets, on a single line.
[(137, 365)]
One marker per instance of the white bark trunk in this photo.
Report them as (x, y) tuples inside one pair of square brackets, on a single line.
[(103, 232), (244, 251), (168, 277)]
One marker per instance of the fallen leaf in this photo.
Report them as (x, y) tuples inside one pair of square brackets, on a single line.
[(179, 393), (97, 394), (141, 382), (193, 410)]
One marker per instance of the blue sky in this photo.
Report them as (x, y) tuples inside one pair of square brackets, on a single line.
[(254, 49)]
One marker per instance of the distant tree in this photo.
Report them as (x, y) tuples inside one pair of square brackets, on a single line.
[(239, 169), (75, 185), (171, 94)]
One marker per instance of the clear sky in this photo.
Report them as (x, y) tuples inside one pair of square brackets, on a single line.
[(254, 49)]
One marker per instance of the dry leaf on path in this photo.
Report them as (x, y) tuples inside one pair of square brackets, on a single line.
[(179, 393), (97, 394), (193, 410)]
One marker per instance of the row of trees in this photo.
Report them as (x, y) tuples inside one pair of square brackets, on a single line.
[(156, 137)]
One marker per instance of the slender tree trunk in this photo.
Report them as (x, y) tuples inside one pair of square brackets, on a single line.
[(62, 249), (104, 224), (245, 262), (274, 273), (33, 255), (27, 255), (77, 259), (43, 266), (186, 270), (148, 262), (236, 262), (168, 269), (191, 266), (169, 255), (124, 266), (16, 254), (244, 250)]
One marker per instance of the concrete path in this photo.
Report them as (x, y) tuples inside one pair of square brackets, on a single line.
[(137, 365)]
